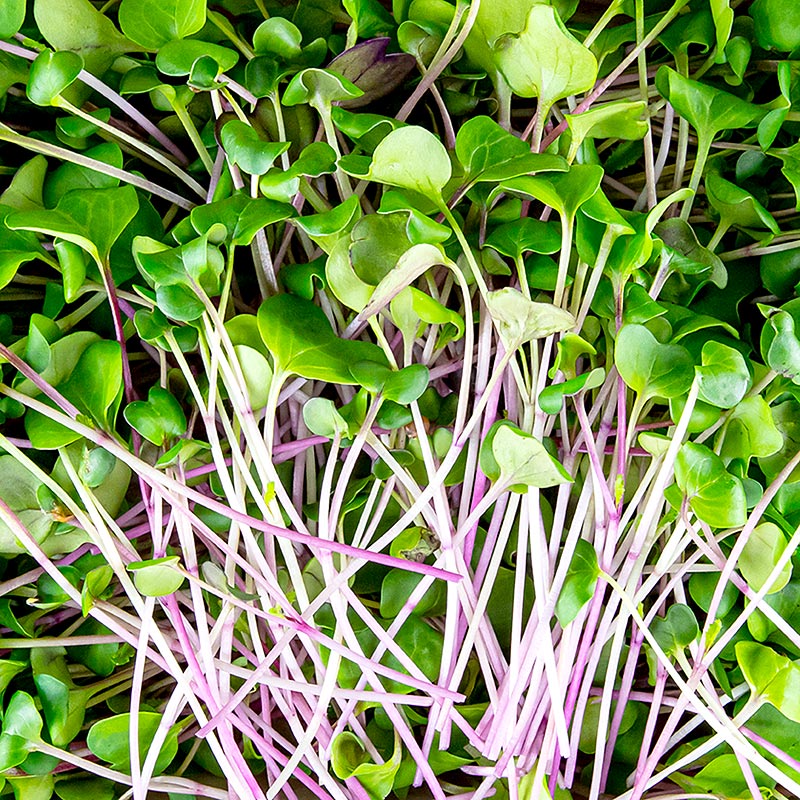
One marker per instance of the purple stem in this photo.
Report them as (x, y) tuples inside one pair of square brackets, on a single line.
[(42, 385)]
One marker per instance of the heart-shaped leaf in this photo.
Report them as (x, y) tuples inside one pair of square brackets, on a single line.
[(650, 368), (109, 740), (677, 630), (723, 378), (51, 73), (526, 59), (396, 162), (518, 460), (300, 338), (159, 418), (771, 677), (764, 547), (247, 149), (716, 496), (157, 577), (278, 36), (154, 23), (519, 320)]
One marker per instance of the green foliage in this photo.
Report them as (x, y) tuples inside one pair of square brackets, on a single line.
[(426, 299)]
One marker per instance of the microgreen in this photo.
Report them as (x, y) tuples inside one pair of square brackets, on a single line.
[(399, 399)]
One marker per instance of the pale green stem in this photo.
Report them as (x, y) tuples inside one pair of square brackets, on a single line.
[(132, 141), (63, 154), (703, 148), (194, 135)]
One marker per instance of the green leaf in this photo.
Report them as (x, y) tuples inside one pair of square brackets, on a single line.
[(159, 419), (95, 385), (241, 215), (524, 235), (68, 177), (780, 345), (179, 57), (50, 74), (406, 385), (328, 227), (25, 190), (764, 547), (247, 149), (396, 162), (349, 759), (650, 368), (772, 677), (323, 419), (703, 585), (490, 153), (527, 63), (73, 260), (551, 398), (109, 740), (302, 341), (723, 776), (16, 248), (620, 119), (723, 16), (95, 585), (396, 589), (278, 36), (81, 788), (78, 26), (365, 129), (677, 630), (716, 496), (22, 719), (751, 431), (196, 263), (563, 191), (521, 461), (157, 577), (411, 307), (519, 320), (63, 707), (777, 24), (737, 206), (377, 242), (154, 23), (707, 109), (780, 272), (346, 286), (12, 15), (319, 88), (723, 378), (13, 751), (91, 218), (579, 584)]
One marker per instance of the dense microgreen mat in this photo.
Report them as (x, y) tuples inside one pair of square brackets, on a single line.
[(399, 399)]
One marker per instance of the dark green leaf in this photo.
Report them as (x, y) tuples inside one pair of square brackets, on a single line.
[(677, 630), (302, 342), (579, 584), (109, 740), (50, 74), (154, 23)]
